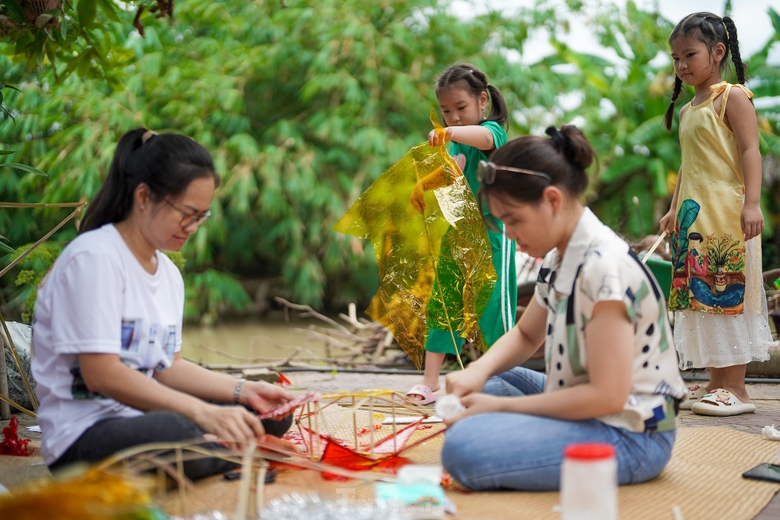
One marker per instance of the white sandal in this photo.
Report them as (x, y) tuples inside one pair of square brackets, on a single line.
[(721, 403), (693, 395)]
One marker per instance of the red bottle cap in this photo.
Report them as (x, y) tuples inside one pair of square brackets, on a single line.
[(589, 451)]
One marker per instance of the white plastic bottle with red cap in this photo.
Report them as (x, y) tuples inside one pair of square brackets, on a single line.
[(589, 484)]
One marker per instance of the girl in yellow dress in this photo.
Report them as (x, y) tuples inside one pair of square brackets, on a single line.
[(715, 219)]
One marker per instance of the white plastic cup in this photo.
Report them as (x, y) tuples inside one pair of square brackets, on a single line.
[(589, 484)]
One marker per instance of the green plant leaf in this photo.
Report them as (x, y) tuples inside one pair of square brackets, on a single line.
[(15, 11), (775, 17), (109, 8), (24, 167), (5, 248), (87, 9), (7, 152)]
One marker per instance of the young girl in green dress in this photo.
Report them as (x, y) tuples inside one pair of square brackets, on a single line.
[(464, 93)]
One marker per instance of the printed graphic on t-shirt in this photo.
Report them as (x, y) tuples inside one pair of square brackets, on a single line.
[(145, 346), (78, 388), (170, 343), (130, 332)]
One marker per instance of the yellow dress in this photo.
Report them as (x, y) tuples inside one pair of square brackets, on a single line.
[(708, 250), (716, 285)]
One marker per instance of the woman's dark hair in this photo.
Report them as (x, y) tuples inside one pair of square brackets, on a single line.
[(167, 163), (563, 157), (710, 29), (696, 236), (472, 80)]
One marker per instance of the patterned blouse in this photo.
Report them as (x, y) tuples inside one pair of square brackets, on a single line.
[(599, 266)]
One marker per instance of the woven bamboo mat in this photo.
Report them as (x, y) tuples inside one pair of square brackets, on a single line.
[(15, 471), (703, 479)]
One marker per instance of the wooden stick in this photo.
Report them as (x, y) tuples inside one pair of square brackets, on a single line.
[(260, 488), (41, 205), (180, 474), (311, 312), (19, 407), (242, 507), (250, 361), (9, 343), (43, 239), (5, 409), (655, 246)]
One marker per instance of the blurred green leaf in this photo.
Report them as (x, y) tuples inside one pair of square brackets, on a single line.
[(87, 9), (23, 167)]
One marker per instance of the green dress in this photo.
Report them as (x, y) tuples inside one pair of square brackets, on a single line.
[(499, 315)]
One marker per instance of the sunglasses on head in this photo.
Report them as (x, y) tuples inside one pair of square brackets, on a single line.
[(488, 169)]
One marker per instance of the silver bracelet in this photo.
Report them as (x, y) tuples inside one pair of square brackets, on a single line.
[(237, 391)]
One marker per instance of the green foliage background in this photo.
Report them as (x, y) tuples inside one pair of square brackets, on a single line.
[(304, 106)]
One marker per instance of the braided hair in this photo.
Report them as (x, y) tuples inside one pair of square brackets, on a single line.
[(711, 30), (474, 81)]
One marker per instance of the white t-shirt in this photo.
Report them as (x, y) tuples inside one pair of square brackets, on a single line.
[(99, 299), (598, 266)]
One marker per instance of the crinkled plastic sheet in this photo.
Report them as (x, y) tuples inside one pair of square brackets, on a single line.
[(447, 244)]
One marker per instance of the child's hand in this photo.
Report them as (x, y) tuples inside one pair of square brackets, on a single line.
[(418, 197), (667, 222), (439, 136), (752, 221)]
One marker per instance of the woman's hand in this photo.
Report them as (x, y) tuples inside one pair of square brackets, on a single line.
[(439, 136), (477, 403), (466, 382), (667, 222), (262, 396), (233, 425), (752, 221)]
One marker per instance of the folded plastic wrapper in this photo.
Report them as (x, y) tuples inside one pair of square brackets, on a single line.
[(435, 269)]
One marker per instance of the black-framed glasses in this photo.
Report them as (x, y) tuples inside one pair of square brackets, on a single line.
[(188, 219), (488, 169)]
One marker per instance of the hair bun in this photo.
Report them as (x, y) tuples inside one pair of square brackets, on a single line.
[(578, 150)]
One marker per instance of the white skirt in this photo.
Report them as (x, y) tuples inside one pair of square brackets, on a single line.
[(719, 341)]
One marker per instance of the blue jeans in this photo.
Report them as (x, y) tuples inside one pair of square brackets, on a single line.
[(525, 452)]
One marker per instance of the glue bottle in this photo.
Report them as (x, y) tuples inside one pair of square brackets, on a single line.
[(589, 484)]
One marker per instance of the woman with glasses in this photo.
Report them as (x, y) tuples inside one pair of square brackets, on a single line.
[(611, 368), (108, 321)]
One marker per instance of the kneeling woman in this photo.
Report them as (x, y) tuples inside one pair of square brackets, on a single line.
[(611, 368), (108, 320)]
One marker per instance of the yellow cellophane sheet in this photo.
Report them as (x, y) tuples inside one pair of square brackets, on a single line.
[(448, 240)]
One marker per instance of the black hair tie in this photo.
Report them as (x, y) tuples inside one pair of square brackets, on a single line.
[(557, 137)]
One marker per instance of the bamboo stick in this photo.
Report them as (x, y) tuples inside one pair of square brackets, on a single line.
[(43, 239), (242, 507), (19, 407), (180, 473), (5, 409), (260, 488), (41, 204), (9, 343), (655, 246), (309, 311)]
